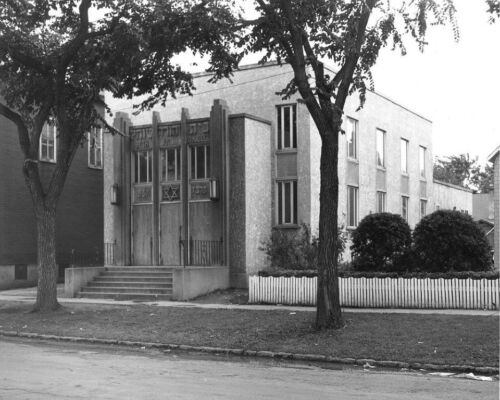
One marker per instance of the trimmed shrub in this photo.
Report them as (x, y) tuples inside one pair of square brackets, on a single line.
[(449, 240), (296, 249), (374, 274), (381, 242)]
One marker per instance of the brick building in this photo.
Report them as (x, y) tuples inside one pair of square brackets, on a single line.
[(80, 210), (495, 159), (238, 167)]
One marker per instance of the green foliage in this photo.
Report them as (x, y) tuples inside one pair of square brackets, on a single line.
[(491, 275), (462, 170), (381, 243), (296, 249), (450, 241)]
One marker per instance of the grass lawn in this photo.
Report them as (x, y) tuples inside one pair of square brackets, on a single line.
[(438, 339)]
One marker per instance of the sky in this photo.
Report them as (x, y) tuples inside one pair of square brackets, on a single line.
[(454, 84)]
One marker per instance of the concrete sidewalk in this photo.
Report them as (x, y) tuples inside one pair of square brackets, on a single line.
[(29, 294)]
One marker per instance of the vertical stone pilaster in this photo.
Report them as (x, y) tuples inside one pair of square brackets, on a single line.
[(119, 214), (185, 184), (220, 164), (156, 185)]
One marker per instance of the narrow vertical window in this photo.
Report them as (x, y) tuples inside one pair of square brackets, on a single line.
[(200, 162), (352, 138), (421, 161), (352, 206), (423, 208), (95, 148), (404, 207), (380, 202), (170, 165), (287, 202), (143, 167), (404, 156), (380, 148), (48, 143), (287, 127)]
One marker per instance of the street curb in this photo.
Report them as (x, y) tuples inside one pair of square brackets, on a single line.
[(262, 354)]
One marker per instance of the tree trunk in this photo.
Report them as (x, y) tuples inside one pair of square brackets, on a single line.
[(328, 312), (46, 298)]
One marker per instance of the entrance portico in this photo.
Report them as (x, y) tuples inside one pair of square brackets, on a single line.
[(180, 192)]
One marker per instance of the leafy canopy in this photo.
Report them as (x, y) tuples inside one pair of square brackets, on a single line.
[(462, 170)]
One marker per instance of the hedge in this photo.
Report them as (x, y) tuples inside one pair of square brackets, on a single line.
[(374, 274)]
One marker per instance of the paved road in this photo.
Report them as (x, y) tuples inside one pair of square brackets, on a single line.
[(37, 370)]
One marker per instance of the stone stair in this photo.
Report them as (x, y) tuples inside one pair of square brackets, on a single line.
[(131, 283)]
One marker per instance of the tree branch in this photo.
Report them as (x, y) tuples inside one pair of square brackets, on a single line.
[(22, 58)]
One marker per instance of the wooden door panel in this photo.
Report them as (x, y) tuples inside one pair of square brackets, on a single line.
[(170, 220), (142, 243)]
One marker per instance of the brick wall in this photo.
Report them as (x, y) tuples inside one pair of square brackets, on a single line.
[(80, 215), (496, 186)]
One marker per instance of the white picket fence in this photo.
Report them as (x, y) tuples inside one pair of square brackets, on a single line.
[(381, 292)]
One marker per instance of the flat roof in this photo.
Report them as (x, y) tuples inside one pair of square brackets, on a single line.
[(452, 186), (492, 156), (274, 64)]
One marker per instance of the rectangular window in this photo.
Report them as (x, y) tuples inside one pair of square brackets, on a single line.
[(423, 208), (48, 143), (380, 148), (404, 156), (405, 200), (170, 164), (143, 167), (200, 162), (287, 127), (352, 206), (352, 138), (287, 202), (95, 148), (421, 161), (380, 202)]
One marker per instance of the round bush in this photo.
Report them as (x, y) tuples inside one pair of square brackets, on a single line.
[(449, 240), (381, 242)]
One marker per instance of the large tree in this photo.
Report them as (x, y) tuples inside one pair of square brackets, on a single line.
[(350, 34), (55, 61), (462, 170)]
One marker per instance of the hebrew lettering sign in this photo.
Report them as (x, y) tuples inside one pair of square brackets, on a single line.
[(169, 135), (198, 132), (199, 190), (142, 194), (142, 138)]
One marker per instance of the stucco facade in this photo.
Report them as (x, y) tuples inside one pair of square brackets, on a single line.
[(388, 168)]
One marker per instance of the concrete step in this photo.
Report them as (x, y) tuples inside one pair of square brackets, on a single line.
[(127, 290), (139, 269), (133, 284), (140, 278), (126, 296), (131, 274)]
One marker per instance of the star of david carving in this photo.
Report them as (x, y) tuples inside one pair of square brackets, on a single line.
[(171, 193)]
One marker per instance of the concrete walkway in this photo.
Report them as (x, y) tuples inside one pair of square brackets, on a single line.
[(29, 294)]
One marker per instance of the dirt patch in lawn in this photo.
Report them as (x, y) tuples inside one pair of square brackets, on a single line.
[(439, 339)]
